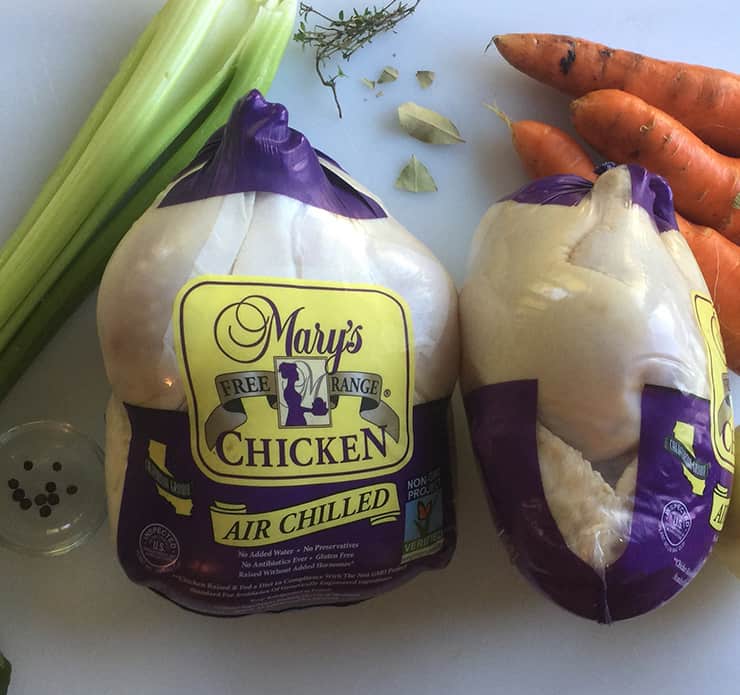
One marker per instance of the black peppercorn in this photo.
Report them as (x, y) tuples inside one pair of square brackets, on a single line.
[(51, 487), (53, 499), (72, 489), (13, 484), (19, 494), (28, 465), (26, 504), (40, 500), (45, 511)]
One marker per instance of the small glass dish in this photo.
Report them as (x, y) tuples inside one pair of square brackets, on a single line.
[(52, 488)]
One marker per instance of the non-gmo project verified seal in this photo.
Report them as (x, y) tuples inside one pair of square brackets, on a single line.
[(423, 533)]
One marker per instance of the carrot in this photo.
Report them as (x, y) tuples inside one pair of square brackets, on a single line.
[(546, 150), (624, 128), (563, 155), (706, 100)]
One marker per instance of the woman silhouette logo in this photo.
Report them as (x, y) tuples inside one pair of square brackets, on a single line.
[(293, 399)]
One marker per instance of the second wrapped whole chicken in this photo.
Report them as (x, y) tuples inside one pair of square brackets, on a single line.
[(597, 391)]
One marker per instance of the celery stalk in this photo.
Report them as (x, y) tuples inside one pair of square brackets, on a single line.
[(81, 141), (75, 252), (137, 126)]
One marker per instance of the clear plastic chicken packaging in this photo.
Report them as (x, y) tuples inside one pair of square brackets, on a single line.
[(597, 391), (281, 353)]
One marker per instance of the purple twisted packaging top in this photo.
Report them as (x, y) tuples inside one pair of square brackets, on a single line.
[(258, 151), (650, 191)]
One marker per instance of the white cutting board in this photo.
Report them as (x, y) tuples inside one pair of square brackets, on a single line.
[(75, 625)]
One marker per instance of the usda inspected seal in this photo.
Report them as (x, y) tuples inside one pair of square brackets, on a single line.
[(159, 548), (675, 524)]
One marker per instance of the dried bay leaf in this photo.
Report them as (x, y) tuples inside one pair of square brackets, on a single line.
[(425, 78), (415, 178), (389, 74), (427, 125)]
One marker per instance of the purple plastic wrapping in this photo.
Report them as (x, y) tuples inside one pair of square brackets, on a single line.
[(650, 191), (177, 556), (258, 151), (672, 529)]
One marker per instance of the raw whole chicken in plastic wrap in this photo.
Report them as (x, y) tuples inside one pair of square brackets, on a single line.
[(281, 353), (597, 391)]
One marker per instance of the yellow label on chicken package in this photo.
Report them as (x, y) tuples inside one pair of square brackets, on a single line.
[(723, 441), (292, 381)]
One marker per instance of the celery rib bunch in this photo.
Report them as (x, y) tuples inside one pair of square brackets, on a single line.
[(178, 85)]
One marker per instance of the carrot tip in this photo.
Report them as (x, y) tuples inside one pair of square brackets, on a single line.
[(498, 40), (494, 40)]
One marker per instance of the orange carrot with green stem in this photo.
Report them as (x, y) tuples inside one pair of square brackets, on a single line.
[(546, 150), (706, 100), (624, 128)]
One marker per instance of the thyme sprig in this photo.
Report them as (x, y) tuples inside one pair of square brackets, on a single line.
[(344, 35)]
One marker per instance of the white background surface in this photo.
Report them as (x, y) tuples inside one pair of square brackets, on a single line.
[(76, 625)]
